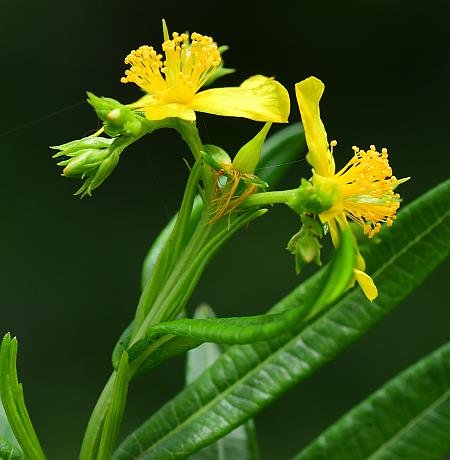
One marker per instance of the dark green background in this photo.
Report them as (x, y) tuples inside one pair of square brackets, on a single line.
[(69, 271)]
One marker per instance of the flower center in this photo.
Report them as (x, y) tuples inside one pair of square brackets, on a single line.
[(367, 186), (186, 68)]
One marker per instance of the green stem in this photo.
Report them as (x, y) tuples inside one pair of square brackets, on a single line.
[(266, 198), (189, 133), (94, 429)]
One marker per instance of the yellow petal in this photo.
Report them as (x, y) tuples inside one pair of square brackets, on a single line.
[(258, 98), (366, 283), (335, 223), (308, 93), (158, 110)]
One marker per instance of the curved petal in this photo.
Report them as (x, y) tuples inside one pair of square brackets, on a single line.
[(157, 110), (258, 98), (308, 94), (366, 283), (173, 110)]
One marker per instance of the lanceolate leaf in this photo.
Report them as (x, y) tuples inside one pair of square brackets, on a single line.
[(11, 393), (409, 417), (247, 378), (239, 444)]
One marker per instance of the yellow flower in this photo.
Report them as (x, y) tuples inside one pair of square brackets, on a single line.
[(363, 189), (172, 83)]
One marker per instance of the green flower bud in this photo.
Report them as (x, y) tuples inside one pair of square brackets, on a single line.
[(248, 156), (83, 163), (90, 158), (314, 199), (305, 245), (118, 119)]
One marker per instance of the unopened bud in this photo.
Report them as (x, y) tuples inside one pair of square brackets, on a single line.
[(248, 156), (118, 119), (305, 245), (98, 176), (83, 163), (90, 158)]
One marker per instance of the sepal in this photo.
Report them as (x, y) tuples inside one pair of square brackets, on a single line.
[(314, 199)]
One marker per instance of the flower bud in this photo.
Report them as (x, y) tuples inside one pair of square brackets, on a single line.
[(305, 245), (118, 119), (99, 175), (90, 158), (83, 163), (248, 156)]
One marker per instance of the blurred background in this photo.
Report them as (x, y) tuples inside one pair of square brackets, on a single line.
[(70, 268)]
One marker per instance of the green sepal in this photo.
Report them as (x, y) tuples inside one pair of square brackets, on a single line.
[(311, 199), (118, 119), (72, 148), (249, 154)]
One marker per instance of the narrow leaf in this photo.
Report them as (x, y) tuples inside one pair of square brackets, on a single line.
[(239, 444), (11, 393), (247, 378), (409, 417)]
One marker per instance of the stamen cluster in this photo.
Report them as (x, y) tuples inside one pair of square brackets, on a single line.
[(186, 68), (367, 186)]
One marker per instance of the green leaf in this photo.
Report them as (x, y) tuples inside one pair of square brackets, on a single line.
[(247, 329), (247, 378), (239, 444), (408, 417), (11, 393)]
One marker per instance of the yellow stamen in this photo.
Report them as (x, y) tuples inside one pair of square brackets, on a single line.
[(367, 186), (186, 68)]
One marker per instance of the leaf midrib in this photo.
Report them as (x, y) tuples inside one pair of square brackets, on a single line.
[(398, 434), (223, 394)]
